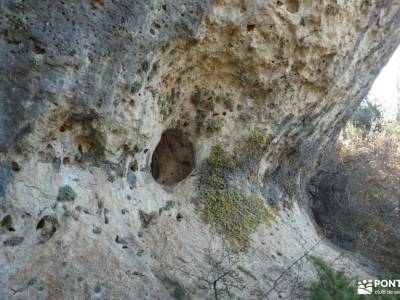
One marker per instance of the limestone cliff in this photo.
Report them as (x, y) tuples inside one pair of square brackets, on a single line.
[(125, 124)]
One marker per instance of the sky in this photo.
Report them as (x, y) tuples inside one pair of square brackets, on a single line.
[(384, 88)]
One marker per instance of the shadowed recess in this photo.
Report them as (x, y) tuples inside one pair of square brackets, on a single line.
[(173, 158)]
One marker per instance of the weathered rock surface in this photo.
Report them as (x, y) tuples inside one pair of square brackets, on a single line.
[(88, 87)]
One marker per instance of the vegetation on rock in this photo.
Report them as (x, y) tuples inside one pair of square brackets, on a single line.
[(332, 284), (66, 193), (231, 211)]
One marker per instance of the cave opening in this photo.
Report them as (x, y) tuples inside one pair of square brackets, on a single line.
[(173, 158)]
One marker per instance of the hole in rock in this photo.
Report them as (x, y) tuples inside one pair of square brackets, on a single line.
[(173, 158), (250, 27), (47, 226), (292, 6), (7, 223)]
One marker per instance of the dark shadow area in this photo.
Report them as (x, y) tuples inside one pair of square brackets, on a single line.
[(173, 158), (355, 201)]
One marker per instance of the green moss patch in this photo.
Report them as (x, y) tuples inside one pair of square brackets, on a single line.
[(66, 193), (232, 212)]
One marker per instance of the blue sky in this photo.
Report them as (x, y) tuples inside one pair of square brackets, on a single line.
[(384, 89)]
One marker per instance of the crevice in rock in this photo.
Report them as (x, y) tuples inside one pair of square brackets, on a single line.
[(7, 223), (292, 6), (47, 227), (173, 158)]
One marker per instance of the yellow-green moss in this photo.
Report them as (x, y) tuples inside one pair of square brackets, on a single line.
[(229, 210), (257, 140), (234, 214), (251, 148), (213, 180), (213, 126), (220, 159), (226, 101)]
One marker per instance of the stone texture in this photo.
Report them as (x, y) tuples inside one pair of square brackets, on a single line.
[(87, 89)]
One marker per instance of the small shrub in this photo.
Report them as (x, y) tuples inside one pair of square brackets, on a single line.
[(229, 104), (355, 195), (333, 285), (168, 205), (272, 195), (146, 65), (257, 140), (35, 64), (366, 115), (250, 149), (140, 252), (106, 54), (135, 86), (148, 219), (180, 293), (207, 104), (66, 193), (234, 214), (219, 159), (226, 101), (213, 126), (200, 117), (17, 23), (96, 152)]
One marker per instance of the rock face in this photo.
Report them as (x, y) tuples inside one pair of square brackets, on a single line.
[(88, 88)]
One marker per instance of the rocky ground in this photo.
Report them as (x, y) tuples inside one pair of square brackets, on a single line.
[(111, 115)]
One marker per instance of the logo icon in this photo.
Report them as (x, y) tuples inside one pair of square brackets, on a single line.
[(365, 287)]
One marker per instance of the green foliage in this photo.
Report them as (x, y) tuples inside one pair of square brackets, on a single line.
[(257, 141), (200, 117), (35, 64), (146, 65), (213, 180), (365, 115), (148, 219), (333, 285), (213, 126), (96, 152), (180, 293), (17, 23), (135, 86), (232, 213), (140, 252), (168, 205), (106, 54), (226, 101), (66, 193), (272, 195), (365, 172), (207, 104), (219, 160), (251, 148)]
